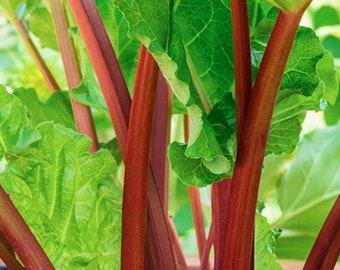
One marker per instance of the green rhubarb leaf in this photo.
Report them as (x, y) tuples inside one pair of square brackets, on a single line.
[(8, 8), (326, 15), (191, 172), (88, 93), (223, 119), (126, 49), (41, 25), (307, 192), (13, 120), (326, 71), (203, 144), (185, 39), (17, 9), (46, 111), (309, 82), (67, 197), (265, 243), (289, 5)]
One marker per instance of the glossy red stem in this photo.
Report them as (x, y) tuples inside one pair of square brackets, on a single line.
[(20, 237), (137, 164), (326, 249), (239, 233)]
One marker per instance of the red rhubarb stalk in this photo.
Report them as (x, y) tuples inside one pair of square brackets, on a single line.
[(242, 60), (20, 237), (326, 249), (251, 148), (106, 66), (161, 138), (243, 87), (137, 163), (118, 101), (52, 84), (81, 112), (7, 254)]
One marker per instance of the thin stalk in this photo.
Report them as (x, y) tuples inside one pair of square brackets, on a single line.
[(52, 84), (20, 237), (7, 254), (205, 260), (196, 204), (243, 87), (180, 258), (81, 112), (220, 193), (326, 248), (242, 60), (137, 163), (160, 181), (161, 238), (106, 66), (197, 213), (161, 138), (241, 209)]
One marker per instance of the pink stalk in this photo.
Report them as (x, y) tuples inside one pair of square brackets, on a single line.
[(161, 138), (106, 66), (180, 259), (137, 163), (52, 84), (205, 259), (82, 113)]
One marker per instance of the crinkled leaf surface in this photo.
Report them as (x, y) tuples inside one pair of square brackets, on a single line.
[(126, 49), (66, 195), (309, 80), (191, 41), (185, 39), (308, 191), (12, 121)]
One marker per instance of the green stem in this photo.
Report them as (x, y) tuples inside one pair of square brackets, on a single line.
[(137, 163), (243, 196), (82, 113), (326, 249), (52, 84), (20, 237)]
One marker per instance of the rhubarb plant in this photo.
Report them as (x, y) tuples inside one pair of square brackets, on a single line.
[(243, 75)]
